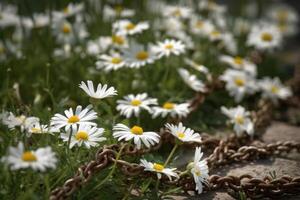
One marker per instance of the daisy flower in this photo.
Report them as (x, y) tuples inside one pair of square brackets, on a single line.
[(191, 80), (72, 119), (168, 47), (283, 13), (110, 62), (196, 66), (238, 83), (273, 89), (173, 109), (101, 92), (182, 133), (86, 135), (240, 63), (176, 11), (199, 170), (201, 26), (133, 104), (38, 160), (63, 31), (119, 41), (159, 169), (37, 128), (137, 56), (215, 35), (117, 11), (70, 10), (137, 134), (264, 37), (126, 27), (21, 121), (240, 118)]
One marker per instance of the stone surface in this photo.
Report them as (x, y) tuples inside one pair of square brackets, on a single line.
[(279, 131), (285, 165)]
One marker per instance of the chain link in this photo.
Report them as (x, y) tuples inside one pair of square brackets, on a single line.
[(232, 149)]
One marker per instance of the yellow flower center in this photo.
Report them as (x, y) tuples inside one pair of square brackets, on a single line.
[(35, 130), (169, 46), (129, 26), (239, 82), (82, 135), (73, 119), (118, 9), (177, 12), (137, 130), (215, 33), (66, 28), (116, 60), (282, 15), (197, 172), (282, 27), (239, 119), (28, 156), (180, 135), (135, 102), (168, 105), (158, 167), (274, 89), (142, 55), (238, 60), (2, 50), (199, 24), (118, 39), (66, 10), (267, 37)]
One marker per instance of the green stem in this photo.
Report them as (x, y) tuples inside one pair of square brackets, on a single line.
[(113, 168), (157, 186), (171, 155)]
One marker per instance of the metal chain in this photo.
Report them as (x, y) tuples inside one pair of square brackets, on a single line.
[(232, 149)]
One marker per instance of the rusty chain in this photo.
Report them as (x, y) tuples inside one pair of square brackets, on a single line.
[(232, 149)]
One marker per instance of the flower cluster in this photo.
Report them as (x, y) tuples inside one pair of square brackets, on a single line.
[(145, 66)]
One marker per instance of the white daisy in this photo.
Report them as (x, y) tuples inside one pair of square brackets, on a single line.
[(196, 66), (283, 13), (70, 10), (199, 169), (119, 41), (63, 31), (215, 35), (21, 121), (264, 37), (137, 56), (240, 63), (38, 160), (168, 47), (133, 104), (85, 116), (273, 89), (37, 128), (238, 83), (182, 133), (86, 135), (240, 118), (191, 80), (201, 27), (137, 134), (176, 11), (159, 169), (116, 11), (173, 109), (126, 27), (101, 92), (110, 62)]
